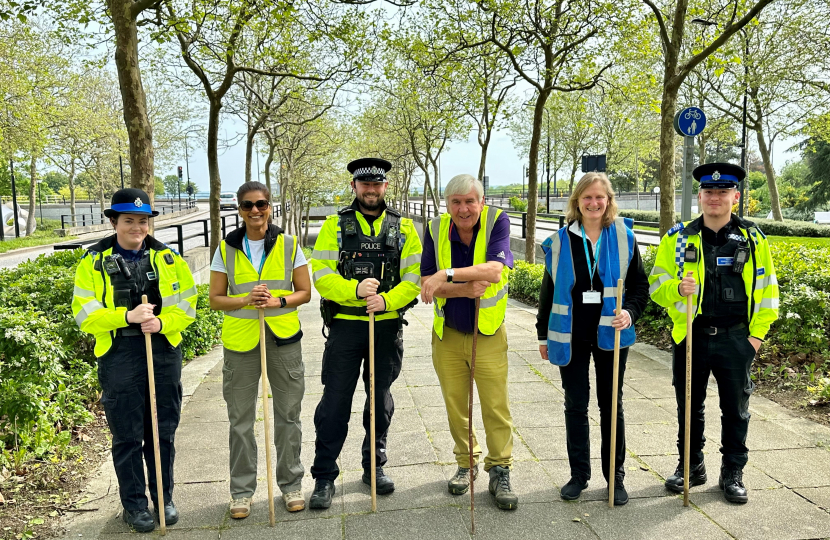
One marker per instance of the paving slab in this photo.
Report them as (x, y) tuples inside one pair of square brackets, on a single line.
[(754, 478), (416, 486), (541, 521), (322, 528), (415, 524), (803, 467)]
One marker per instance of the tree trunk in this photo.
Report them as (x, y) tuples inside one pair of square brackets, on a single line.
[(424, 198), (532, 184), (667, 110), (268, 162), (482, 162), (436, 194), (72, 190), (285, 175), (134, 100), (774, 199), (213, 174), (30, 219), (307, 214), (574, 167)]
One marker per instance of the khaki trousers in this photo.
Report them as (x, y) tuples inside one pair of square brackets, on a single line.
[(451, 358)]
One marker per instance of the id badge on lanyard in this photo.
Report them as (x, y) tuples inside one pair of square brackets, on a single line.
[(591, 296)]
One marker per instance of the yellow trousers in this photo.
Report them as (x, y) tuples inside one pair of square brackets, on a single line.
[(451, 358)]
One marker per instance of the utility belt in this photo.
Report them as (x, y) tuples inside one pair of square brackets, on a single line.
[(717, 330), (329, 308), (129, 332)]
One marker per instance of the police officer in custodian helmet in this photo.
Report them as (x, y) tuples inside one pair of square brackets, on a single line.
[(109, 283)]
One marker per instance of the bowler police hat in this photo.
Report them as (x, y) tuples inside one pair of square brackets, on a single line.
[(719, 175), (130, 201), (369, 169)]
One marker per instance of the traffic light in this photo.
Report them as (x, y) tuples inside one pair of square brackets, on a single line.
[(180, 172)]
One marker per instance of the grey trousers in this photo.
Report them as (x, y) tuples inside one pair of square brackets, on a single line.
[(240, 387)]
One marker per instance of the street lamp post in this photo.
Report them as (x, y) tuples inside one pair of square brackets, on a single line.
[(547, 161), (656, 192)]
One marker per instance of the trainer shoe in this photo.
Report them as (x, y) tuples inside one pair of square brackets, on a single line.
[(294, 501), (620, 494), (383, 484), (500, 488), (460, 483), (241, 508), (697, 476), (323, 492), (573, 489)]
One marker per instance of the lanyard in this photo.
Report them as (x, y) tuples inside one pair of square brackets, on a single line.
[(248, 253), (593, 268)]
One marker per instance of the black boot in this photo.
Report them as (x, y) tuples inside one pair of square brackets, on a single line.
[(139, 520), (323, 492), (383, 484), (697, 476), (171, 514), (731, 481)]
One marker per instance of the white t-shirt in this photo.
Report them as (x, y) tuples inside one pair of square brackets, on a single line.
[(257, 253)]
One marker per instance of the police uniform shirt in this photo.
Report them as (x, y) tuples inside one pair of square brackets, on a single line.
[(724, 294)]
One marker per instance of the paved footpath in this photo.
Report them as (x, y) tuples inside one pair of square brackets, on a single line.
[(788, 473)]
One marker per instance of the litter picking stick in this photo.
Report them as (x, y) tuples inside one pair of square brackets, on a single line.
[(612, 458), (266, 415), (470, 419), (372, 458), (151, 380), (688, 430)]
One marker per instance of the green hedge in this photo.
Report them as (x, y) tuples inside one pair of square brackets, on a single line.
[(48, 375), (788, 227), (802, 330)]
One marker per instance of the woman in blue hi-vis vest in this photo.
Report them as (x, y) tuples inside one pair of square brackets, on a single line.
[(577, 319)]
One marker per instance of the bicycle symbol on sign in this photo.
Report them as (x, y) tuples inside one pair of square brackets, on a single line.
[(692, 113)]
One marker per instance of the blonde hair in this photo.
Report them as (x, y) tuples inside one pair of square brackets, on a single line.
[(591, 178)]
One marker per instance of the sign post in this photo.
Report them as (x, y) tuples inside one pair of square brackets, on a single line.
[(689, 123)]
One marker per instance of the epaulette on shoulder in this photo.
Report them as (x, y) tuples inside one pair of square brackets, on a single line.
[(345, 210), (90, 252), (394, 212), (760, 231), (676, 229), (176, 253)]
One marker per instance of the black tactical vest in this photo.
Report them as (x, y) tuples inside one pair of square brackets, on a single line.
[(127, 291), (724, 293), (363, 256)]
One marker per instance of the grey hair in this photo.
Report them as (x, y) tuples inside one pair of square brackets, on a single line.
[(462, 184)]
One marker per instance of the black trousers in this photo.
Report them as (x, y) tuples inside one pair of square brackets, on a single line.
[(577, 386), (346, 350), (728, 356), (122, 372)]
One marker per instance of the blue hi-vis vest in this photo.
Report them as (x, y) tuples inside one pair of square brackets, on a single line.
[(615, 253)]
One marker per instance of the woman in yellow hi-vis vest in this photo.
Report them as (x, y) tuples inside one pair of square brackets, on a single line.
[(260, 267)]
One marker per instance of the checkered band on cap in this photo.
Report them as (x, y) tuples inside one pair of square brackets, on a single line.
[(369, 171)]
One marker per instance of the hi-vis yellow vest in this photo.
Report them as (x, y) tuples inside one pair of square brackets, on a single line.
[(240, 329), (493, 304)]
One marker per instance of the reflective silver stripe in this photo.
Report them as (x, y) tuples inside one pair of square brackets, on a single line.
[(555, 248), (491, 221), (492, 301), (766, 282), (438, 311), (87, 309), (661, 278), (185, 306), (288, 242), (769, 303), (273, 284), (252, 313), (656, 271), (230, 266), (82, 292), (188, 293), (171, 300), (680, 306), (610, 292), (559, 309), (605, 320), (325, 255), (414, 278), (412, 259), (435, 231), (321, 272), (559, 337), (622, 246)]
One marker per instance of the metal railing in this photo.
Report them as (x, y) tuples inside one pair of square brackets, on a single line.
[(92, 218)]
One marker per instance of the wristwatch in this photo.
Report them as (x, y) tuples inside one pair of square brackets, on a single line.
[(450, 273), (283, 301)]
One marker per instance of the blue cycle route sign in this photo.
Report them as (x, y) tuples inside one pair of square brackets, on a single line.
[(690, 122)]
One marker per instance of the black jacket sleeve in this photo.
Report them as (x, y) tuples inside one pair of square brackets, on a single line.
[(545, 303), (636, 287)]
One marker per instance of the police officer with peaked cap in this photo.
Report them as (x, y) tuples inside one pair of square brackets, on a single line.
[(367, 259), (724, 263), (110, 280)]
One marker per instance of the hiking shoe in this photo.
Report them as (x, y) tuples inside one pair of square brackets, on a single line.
[(294, 501), (383, 484), (620, 494), (501, 490), (460, 483), (323, 492), (241, 508), (139, 520), (697, 476), (731, 481), (573, 489)]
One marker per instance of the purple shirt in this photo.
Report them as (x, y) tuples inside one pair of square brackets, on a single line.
[(459, 313)]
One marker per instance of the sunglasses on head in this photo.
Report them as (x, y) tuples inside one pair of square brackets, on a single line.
[(261, 204)]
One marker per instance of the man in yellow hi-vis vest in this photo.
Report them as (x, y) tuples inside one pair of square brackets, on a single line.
[(467, 255), (724, 263), (109, 283), (367, 259)]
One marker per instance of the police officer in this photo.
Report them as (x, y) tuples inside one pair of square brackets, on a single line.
[(724, 263), (109, 282), (366, 260)]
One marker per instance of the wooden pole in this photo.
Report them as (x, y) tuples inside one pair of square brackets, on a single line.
[(266, 416), (688, 429), (372, 458), (151, 381), (612, 457), (470, 419)]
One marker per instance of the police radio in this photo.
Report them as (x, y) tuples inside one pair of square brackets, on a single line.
[(111, 265), (741, 258)]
